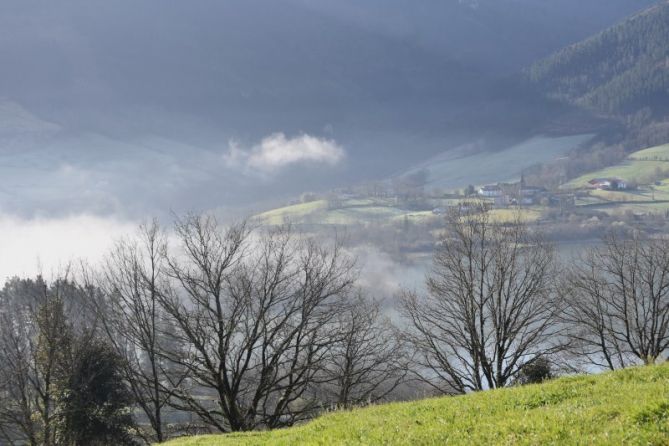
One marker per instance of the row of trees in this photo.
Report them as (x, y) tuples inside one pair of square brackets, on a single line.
[(227, 329), (499, 303), (222, 328)]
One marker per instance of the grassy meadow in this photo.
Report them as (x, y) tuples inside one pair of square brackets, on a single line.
[(453, 170), (348, 212), (624, 407), (648, 169), (640, 167)]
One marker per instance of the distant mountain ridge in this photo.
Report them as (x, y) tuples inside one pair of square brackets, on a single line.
[(393, 82), (619, 71)]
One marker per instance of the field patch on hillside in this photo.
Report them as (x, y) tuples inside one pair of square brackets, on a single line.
[(642, 167), (346, 212), (455, 170)]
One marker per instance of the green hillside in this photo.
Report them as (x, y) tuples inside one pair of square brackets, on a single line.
[(647, 171), (364, 211), (624, 407), (347, 212), (621, 69), (642, 167), (456, 169)]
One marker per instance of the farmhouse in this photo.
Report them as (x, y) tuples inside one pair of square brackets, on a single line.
[(608, 184), (490, 190), (513, 194)]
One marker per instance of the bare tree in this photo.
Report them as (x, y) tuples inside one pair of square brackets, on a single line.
[(133, 277), (255, 314), (490, 307), (618, 301), (368, 362)]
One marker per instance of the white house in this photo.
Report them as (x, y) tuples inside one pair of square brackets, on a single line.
[(490, 190), (608, 183)]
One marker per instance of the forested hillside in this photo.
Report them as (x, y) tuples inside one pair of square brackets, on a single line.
[(620, 71)]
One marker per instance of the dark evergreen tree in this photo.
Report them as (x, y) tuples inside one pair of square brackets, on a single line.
[(536, 372), (94, 403)]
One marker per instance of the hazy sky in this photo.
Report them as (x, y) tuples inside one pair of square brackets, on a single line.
[(119, 110)]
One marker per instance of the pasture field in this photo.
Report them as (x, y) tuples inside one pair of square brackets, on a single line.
[(348, 212), (292, 213), (624, 407), (352, 212), (641, 167), (454, 170)]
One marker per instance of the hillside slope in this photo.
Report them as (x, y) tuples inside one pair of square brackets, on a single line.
[(624, 407), (643, 167), (620, 70)]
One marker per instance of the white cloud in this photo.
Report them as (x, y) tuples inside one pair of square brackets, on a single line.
[(276, 152)]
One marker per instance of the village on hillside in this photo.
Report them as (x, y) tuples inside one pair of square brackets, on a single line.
[(632, 193), (520, 194)]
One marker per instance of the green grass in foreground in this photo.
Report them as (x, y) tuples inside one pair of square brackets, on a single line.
[(625, 407)]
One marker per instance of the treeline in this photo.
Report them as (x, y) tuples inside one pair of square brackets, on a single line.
[(618, 71), (224, 329), (213, 328)]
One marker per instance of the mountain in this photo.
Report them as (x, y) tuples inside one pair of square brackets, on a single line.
[(142, 94), (246, 68), (619, 71)]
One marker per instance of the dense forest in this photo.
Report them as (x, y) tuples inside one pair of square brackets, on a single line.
[(620, 71)]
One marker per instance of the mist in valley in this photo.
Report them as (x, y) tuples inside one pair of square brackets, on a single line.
[(223, 217)]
